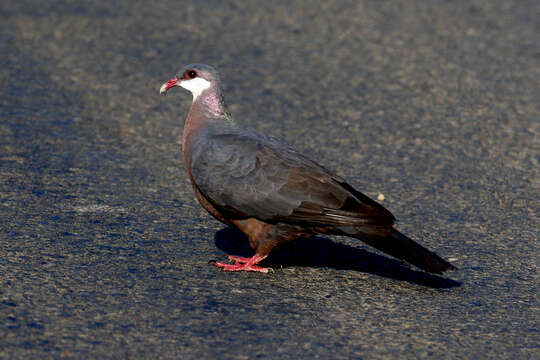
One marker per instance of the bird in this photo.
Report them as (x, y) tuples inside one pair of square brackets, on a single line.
[(272, 192)]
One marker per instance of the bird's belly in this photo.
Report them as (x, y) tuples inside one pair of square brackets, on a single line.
[(263, 237), (209, 207)]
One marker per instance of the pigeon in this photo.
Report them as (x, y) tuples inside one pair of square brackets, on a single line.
[(270, 191)]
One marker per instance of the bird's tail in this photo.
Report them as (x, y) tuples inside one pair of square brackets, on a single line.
[(401, 247)]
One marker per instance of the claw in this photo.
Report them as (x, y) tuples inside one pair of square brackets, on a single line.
[(241, 267), (244, 264)]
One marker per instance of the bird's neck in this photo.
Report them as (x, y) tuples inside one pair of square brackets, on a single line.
[(208, 108), (211, 103)]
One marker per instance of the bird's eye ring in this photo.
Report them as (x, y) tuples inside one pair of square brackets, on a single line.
[(191, 74)]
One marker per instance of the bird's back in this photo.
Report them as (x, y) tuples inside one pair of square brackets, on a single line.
[(255, 175)]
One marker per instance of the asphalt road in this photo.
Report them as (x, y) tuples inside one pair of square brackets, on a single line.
[(105, 253)]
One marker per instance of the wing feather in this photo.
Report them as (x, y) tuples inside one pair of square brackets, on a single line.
[(245, 174)]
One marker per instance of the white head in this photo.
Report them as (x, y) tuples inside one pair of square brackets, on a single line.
[(196, 86), (196, 78)]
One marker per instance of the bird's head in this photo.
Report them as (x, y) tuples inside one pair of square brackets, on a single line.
[(196, 78)]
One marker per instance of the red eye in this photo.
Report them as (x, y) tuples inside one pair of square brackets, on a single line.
[(190, 74)]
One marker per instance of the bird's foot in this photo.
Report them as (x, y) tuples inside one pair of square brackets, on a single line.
[(241, 267), (244, 264)]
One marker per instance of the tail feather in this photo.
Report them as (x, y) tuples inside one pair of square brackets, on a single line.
[(401, 247)]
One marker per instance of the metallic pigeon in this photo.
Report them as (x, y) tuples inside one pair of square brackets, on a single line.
[(270, 191)]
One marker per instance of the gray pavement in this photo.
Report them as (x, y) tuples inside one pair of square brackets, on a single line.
[(105, 253)]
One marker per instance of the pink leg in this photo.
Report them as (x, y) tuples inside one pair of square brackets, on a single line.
[(244, 264), (239, 259)]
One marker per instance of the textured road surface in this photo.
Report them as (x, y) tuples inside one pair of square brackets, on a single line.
[(104, 252)]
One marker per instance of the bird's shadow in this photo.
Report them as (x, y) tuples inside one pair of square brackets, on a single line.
[(322, 252)]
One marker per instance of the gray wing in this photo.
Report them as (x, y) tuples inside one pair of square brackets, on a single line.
[(245, 174)]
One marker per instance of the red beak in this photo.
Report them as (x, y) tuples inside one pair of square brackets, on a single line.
[(169, 84)]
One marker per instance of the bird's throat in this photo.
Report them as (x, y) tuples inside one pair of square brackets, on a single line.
[(207, 109), (210, 102)]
